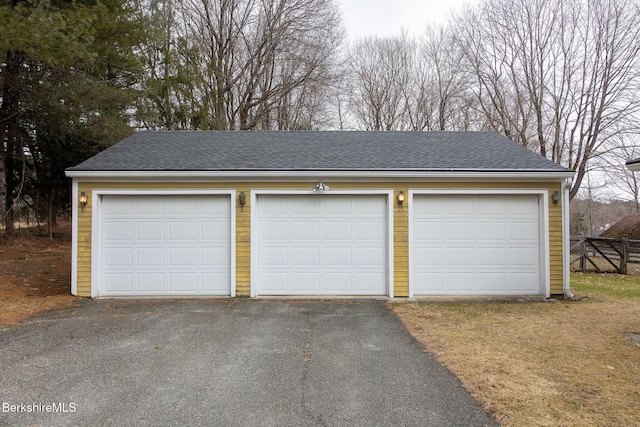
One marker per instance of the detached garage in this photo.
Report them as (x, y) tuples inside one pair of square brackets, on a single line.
[(319, 214)]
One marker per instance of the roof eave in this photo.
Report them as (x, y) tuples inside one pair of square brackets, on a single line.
[(633, 165), (405, 173)]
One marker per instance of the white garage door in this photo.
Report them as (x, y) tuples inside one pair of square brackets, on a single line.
[(476, 244), (165, 245), (321, 245)]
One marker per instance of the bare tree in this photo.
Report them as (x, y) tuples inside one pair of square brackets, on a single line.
[(560, 77), (259, 57), (441, 99), (382, 70), (614, 166)]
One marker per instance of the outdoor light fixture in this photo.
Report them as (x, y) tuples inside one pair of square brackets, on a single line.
[(320, 187), (242, 198), (401, 198), (555, 197), (84, 199)]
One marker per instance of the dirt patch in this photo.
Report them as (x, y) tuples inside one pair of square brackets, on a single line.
[(35, 273), (543, 364)]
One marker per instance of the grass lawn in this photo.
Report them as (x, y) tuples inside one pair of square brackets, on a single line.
[(545, 363)]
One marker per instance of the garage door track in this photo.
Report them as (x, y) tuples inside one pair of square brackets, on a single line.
[(226, 363)]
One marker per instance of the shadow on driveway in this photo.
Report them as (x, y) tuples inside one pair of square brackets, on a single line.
[(227, 363)]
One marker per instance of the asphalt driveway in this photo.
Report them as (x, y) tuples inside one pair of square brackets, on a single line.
[(229, 363)]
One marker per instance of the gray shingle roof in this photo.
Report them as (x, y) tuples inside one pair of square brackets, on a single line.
[(321, 151)]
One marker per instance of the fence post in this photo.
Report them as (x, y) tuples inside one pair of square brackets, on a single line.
[(624, 258), (583, 254)]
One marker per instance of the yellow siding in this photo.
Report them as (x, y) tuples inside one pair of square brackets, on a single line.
[(401, 244), (243, 244), (243, 223)]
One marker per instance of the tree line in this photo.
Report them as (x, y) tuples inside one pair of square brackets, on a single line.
[(559, 77)]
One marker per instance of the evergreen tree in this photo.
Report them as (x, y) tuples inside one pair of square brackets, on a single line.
[(68, 72)]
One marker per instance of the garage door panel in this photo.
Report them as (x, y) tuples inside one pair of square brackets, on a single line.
[(338, 283), (492, 282), (119, 282), (150, 283), (524, 281), (369, 283), (214, 230), (119, 208), (150, 257), (305, 283), (429, 256), (338, 256), (435, 281), (174, 237), (491, 206), (488, 241), (215, 257), (119, 257), (276, 231), (460, 282), (522, 257), (302, 206), (337, 206), (306, 230), (214, 207), (273, 255), (338, 230), (329, 243), (459, 206), (118, 231), (428, 230), (146, 206), (183, 282), (181, 206), (150, 231), (524, 231), (371, 256), (180, 257), (369, 206), (272, 208), (271, 282), (182, 230), (460, 256), (493, 257), (491, 231), (370, 230), (460, 230), (214, 283), (306, 256), (522, 207)]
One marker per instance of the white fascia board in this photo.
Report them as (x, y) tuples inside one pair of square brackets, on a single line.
[(287, 175)]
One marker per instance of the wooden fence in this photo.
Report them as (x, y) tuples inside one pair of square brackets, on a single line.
[(616, 252)]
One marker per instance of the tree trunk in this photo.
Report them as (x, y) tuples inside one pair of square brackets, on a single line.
[(50, 215), (9, 157)]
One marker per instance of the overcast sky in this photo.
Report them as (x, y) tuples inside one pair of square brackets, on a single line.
[(387, 17)]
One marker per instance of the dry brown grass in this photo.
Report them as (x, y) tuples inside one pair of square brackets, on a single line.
[(545, 364), (34, 274)]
